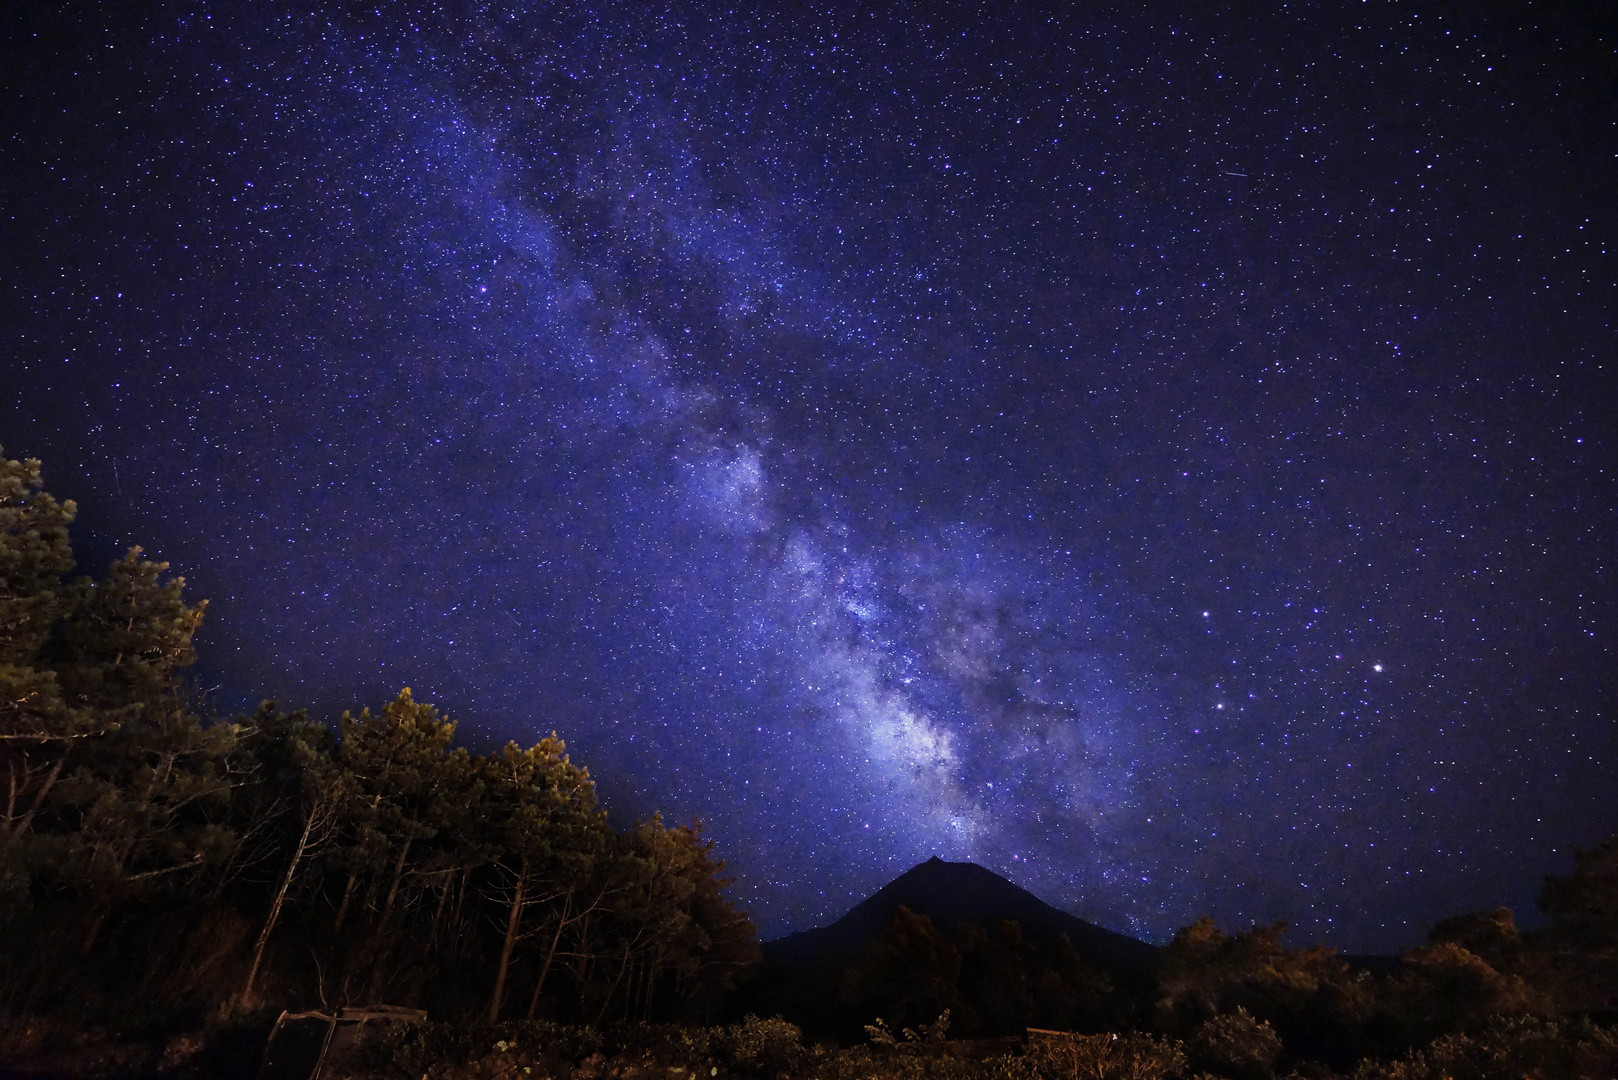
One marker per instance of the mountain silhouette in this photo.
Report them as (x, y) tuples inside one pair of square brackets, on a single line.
[(954, 893)]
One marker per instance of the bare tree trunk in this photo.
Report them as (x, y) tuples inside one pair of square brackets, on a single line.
[(438, 913), (223, 877), (550, 956), (27, 819), (96, 923), (393, 890), (583, 960), (275, 907), (348, 896), (643, 1000), (11, 793), (613, 989), (512, 922), (454, 925)]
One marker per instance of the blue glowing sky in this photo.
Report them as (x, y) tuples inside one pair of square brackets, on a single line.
[(1167, 460)]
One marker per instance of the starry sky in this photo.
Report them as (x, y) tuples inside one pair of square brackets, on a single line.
[(1167, 458)]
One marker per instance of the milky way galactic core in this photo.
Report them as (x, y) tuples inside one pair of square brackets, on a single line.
[(1166, 459)]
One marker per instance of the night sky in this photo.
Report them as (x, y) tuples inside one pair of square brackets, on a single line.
[(1166, 459)]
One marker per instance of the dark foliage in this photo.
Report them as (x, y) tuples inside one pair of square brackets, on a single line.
[(992, 982)]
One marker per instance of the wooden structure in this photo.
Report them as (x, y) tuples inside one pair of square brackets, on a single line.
[(301, 1044)]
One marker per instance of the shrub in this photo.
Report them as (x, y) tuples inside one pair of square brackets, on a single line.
[(1103, 1057), (764, 1046), (1508, 1049), (1237, 1045)]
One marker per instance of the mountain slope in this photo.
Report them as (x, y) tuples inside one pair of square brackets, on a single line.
[(950, 894)]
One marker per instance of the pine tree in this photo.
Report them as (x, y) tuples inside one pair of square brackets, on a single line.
[(298, 759), (400, 759), (145, 793), (144, 848), (36, 725), (542, 828), (115, 794), (690, 936), (409, 796)]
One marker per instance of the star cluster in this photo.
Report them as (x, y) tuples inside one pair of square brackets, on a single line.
[(1167, 459)]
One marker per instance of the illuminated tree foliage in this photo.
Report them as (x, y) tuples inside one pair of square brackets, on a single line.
[(155, 863)]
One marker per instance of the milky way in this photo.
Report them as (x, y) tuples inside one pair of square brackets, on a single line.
[(1168, 461)]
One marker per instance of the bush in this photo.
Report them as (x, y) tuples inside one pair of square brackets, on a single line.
[(1236, 1045), (764, 1046), (1509, 1050), (411, 1049), (1100, 1057)]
